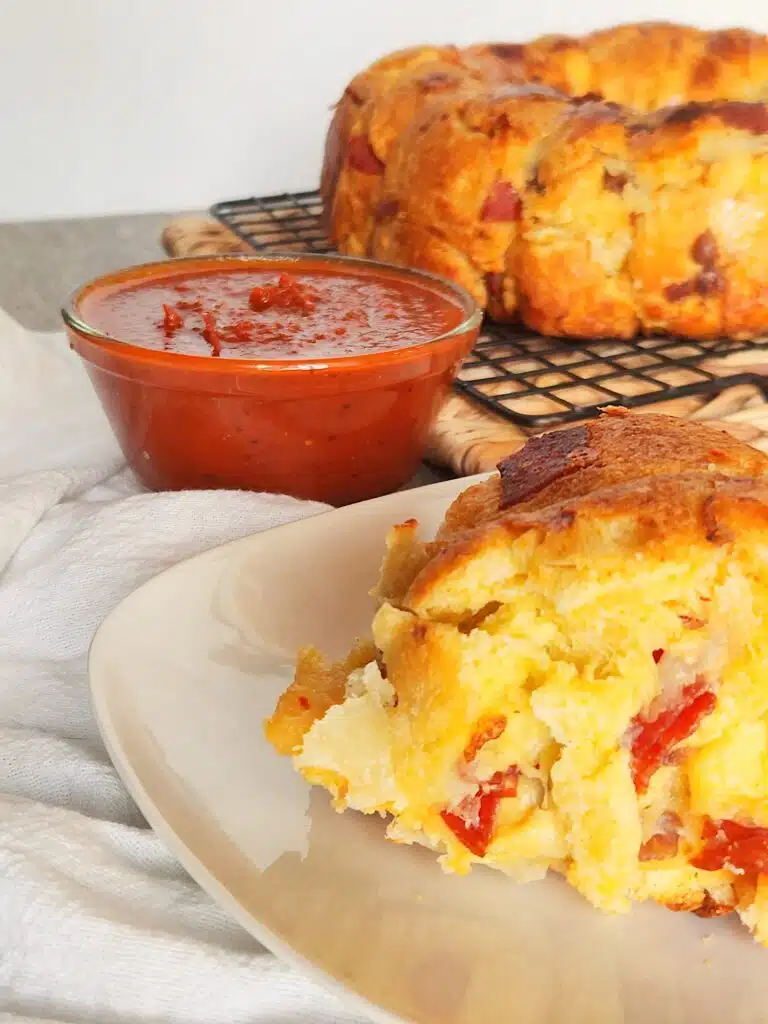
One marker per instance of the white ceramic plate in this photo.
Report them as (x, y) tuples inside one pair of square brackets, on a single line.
[(183, 674)]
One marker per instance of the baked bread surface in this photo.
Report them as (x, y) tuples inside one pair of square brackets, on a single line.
[(570, 677), (606, 186)]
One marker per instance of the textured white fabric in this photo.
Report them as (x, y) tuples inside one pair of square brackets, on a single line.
[(98, 923)]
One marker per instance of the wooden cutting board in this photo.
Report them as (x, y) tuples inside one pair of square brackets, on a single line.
[(467, 438)]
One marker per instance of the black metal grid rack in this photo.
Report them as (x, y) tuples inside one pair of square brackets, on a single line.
[(531, 380), (286, 223)]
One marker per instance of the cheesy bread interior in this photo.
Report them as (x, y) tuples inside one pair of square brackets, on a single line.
[(571, 676)]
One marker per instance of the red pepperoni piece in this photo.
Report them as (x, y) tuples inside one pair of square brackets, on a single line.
[(728, 844), (503, 204), (475, 830), (211, 333), (288, 293), (361, 156), (172, 321), (473, 821), (490, 727), (502, 783), (654, 739)]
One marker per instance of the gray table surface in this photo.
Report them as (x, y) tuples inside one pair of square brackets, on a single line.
[(42, 262)]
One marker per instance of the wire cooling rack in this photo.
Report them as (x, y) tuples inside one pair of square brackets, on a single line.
[(286, 223), (524, 377)]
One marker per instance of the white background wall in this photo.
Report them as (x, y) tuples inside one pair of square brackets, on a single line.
[(127, 105)]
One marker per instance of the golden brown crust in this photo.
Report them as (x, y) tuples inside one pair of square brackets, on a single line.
[(518, 663), (577, 229), (646, 66), (732, 63), (478, 504), (316, 687), (471, 156), (581, 218), (655, 515), (618, 448), (700, 256), (700, 903), (544, 460), (709, 907), (405, 558), (375, 106), (333, 157)]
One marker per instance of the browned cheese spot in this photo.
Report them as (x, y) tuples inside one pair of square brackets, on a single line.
[(541, 461)]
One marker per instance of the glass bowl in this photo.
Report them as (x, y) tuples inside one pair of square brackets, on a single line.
[(337, 429)]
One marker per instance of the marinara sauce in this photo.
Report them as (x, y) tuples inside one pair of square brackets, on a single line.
[(272, 315), (313, 376)]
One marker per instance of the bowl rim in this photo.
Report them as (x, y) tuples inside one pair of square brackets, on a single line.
[(472, 316)]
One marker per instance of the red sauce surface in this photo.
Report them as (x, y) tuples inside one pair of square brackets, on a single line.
[(257, 314), (290, 419)]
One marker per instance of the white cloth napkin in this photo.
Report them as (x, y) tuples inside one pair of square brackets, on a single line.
[(98, 922)]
